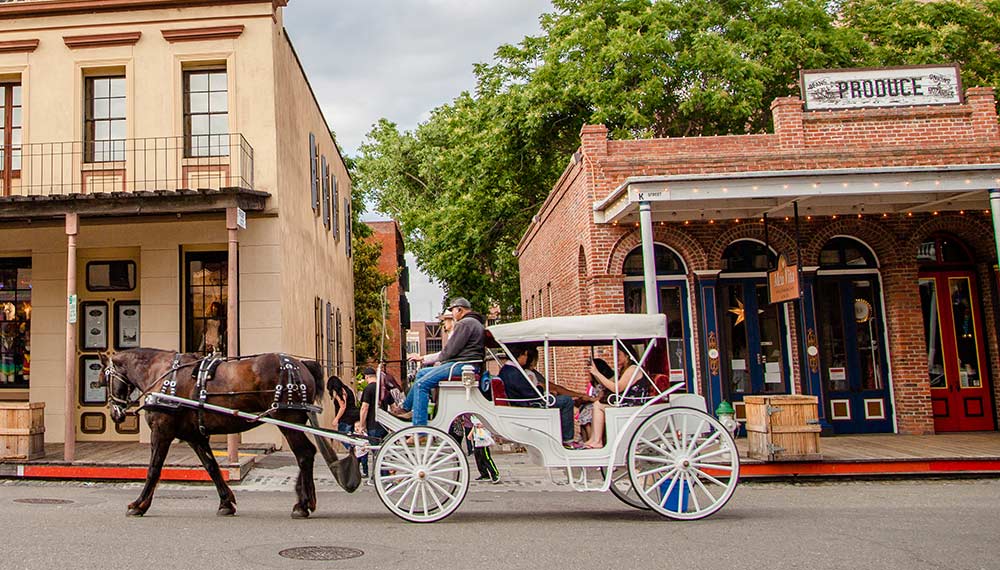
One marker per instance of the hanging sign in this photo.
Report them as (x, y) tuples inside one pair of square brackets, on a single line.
[(241, 219), (783, 282), (884, 87)]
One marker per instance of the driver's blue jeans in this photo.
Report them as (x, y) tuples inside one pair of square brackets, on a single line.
[(419, 395)]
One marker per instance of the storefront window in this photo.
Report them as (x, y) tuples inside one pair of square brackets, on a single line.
[(206, 301), (15, 322), (746, 256)]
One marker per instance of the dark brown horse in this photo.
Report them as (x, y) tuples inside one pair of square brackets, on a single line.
[(247, 385)]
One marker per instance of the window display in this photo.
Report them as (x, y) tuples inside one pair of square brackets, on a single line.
[(15, 322)]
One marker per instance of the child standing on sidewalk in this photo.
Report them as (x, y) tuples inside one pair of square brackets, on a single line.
[(482, 439)]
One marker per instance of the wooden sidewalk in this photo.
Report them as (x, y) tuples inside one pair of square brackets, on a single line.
[(123, 461), (889, 455)]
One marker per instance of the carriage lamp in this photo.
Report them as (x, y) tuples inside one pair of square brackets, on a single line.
[(468, 379), (727, 416)]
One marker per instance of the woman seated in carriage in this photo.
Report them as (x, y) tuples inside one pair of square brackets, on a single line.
[(524, 393), (630, 382)]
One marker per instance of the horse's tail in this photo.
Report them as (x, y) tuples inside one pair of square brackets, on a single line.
[(316, 369)]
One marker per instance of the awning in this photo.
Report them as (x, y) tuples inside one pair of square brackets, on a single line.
[(587, 329), (821, 192)]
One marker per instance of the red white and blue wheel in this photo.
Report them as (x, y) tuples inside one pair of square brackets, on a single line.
[(683, 463)]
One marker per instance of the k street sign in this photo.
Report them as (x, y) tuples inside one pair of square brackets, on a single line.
[(884, 87)]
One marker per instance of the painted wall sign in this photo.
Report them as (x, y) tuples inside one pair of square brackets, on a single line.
[(885, 87), (783, 282)]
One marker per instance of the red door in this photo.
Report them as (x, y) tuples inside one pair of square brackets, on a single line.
[(956, 353)]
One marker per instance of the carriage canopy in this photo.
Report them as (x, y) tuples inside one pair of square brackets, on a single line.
[(582, 330)]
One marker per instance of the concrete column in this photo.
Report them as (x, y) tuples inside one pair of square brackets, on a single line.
[(232, 315), (648, 258), (69, 433)]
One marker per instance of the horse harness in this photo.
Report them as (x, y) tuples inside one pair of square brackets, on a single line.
[(290, 393)]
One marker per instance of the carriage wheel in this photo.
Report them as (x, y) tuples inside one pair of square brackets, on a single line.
[(423, 480), (683, 463), (621, 487)]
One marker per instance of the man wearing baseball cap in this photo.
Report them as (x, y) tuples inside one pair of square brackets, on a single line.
[(467, 344)]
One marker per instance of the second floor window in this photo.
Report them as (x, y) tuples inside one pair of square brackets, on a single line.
[(206, 113), (10, 127), (104, 119)]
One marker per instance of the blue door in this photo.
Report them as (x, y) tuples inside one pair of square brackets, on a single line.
[(852, 353), (753, 347), (673, 304)]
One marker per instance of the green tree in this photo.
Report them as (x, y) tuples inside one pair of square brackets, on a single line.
[(465, 183), (368, 281)]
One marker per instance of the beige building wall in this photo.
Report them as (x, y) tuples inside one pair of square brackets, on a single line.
[(287, 257)]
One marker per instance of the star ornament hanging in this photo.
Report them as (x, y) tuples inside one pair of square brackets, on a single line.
[(739, 311)]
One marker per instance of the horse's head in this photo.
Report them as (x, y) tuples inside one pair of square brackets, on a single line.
[(120, 387)]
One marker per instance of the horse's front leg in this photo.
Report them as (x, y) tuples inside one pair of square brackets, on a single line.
[(305, 488), (159, 446), (227, 500)]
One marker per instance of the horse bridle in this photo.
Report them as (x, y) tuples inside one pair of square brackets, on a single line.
[(112, 375)]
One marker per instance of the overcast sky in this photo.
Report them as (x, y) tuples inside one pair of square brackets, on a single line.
[(400, 59)]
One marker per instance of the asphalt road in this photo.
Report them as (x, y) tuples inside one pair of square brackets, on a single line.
[(911, 525)]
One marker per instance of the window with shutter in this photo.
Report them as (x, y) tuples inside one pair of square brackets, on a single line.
[(326, 193), (336, 209), (339, 344), (329, 336), (348, 223), (318, 326), (312, 173)]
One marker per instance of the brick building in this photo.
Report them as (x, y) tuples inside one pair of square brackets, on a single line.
[(392, 262), (898, 258)]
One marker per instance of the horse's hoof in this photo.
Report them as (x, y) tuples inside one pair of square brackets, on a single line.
[(300, 513), (226, 511), (135, 513)]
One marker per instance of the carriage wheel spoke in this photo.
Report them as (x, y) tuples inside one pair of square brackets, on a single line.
[(437, 451), (654, 459), (660, 481), (719, 466), (444, 480), (665, 494), (715, 453), (423, 498), (408, 485), (433, 492), (654, 470), (708, 441), (673, 432), (396, 466), (441, 490), (690, 445), (692, 492), (433, 466), (713, 480)]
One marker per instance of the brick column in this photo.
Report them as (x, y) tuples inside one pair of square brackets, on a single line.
[(907, 349), (984, 113), (787, 115)]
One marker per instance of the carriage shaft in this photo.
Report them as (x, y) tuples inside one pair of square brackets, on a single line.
[(152, 398)]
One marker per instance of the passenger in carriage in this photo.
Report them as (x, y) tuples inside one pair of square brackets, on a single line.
[(521, 392), (631, 395), (467, 343), (599, 393)]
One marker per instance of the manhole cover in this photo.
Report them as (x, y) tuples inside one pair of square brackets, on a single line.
[(44, 501), (320, 553)]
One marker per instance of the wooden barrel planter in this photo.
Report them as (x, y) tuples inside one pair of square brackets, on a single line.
[(783, 428), (22, 430)]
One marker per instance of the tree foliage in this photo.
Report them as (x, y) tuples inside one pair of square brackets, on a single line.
[(465, 183), (368, 282)]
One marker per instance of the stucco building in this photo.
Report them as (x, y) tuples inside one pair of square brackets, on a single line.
[(138, 139), (393, 262), (896, 330)]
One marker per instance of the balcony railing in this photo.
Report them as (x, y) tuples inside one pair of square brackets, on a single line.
[(159, 164)]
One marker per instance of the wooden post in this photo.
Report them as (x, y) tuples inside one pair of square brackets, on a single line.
[(232, 315), (69, 445)]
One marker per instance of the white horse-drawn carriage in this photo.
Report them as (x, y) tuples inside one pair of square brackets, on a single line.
[(665, 453)]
